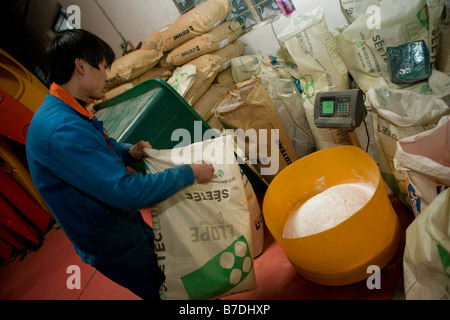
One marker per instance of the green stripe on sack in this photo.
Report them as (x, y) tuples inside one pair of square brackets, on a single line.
[(220, 274), (445, 259)]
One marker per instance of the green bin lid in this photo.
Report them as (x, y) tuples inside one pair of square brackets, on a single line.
[(155, 112)]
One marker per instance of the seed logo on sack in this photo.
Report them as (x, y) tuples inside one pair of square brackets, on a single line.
[(230, 268), (308, 86)]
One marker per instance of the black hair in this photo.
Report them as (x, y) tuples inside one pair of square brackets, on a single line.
[(71, 44)]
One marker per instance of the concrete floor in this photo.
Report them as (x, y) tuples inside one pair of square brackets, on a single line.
[(42, 275)]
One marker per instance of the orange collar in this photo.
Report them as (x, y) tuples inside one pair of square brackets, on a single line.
[(59, 92)]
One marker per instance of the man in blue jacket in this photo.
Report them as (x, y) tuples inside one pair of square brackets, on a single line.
[(81, 172)]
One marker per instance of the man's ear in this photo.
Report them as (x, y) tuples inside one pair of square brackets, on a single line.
[(80, 66)]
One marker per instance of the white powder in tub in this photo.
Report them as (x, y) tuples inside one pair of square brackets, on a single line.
[(327, 209)]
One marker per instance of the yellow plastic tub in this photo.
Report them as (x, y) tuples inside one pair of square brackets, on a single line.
[(340, 255)]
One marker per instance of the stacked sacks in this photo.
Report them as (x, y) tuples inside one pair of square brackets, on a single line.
[(209, 42), (205, 54), (193, 79), (365, 50), (196, 22), (209, 66), (277, 79), (150, 61), (365, 41), (127, 68), (249, 109), (156, 72), (197, 47), (205, 105), (132, 65), (308, 42)]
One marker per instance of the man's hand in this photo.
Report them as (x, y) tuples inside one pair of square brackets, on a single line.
[(203, 172), (137, 151)]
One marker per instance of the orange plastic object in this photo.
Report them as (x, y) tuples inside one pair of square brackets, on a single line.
[(8, 61), (13, 166), (340, 255), (23, 202), (21, 89), (15, 119)]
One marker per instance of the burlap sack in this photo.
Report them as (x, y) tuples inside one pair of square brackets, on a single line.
[(113, 92), (193, 23), (279, 83), (249, 107), (132, 65), (156, 72), (214, 123), (223, 56), (209, 42), (162, 63), (154, 41), (205, 105), (208, 67)]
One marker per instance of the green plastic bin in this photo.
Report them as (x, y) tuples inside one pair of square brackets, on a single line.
[(152, 111)]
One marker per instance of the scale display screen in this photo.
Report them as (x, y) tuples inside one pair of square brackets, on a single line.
[(327, 108)]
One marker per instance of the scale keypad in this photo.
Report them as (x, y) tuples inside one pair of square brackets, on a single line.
[(343, 107)]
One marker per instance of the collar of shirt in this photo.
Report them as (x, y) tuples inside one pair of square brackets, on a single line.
[(62, 94)]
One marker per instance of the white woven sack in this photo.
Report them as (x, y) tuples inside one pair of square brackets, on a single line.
[(204, 233)]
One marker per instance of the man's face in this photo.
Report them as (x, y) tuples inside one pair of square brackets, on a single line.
[(96, 80)]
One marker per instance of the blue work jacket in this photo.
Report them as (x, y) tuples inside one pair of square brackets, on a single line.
[(84, 181)]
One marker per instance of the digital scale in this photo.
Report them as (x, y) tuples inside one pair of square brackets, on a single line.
[(340, 110)]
